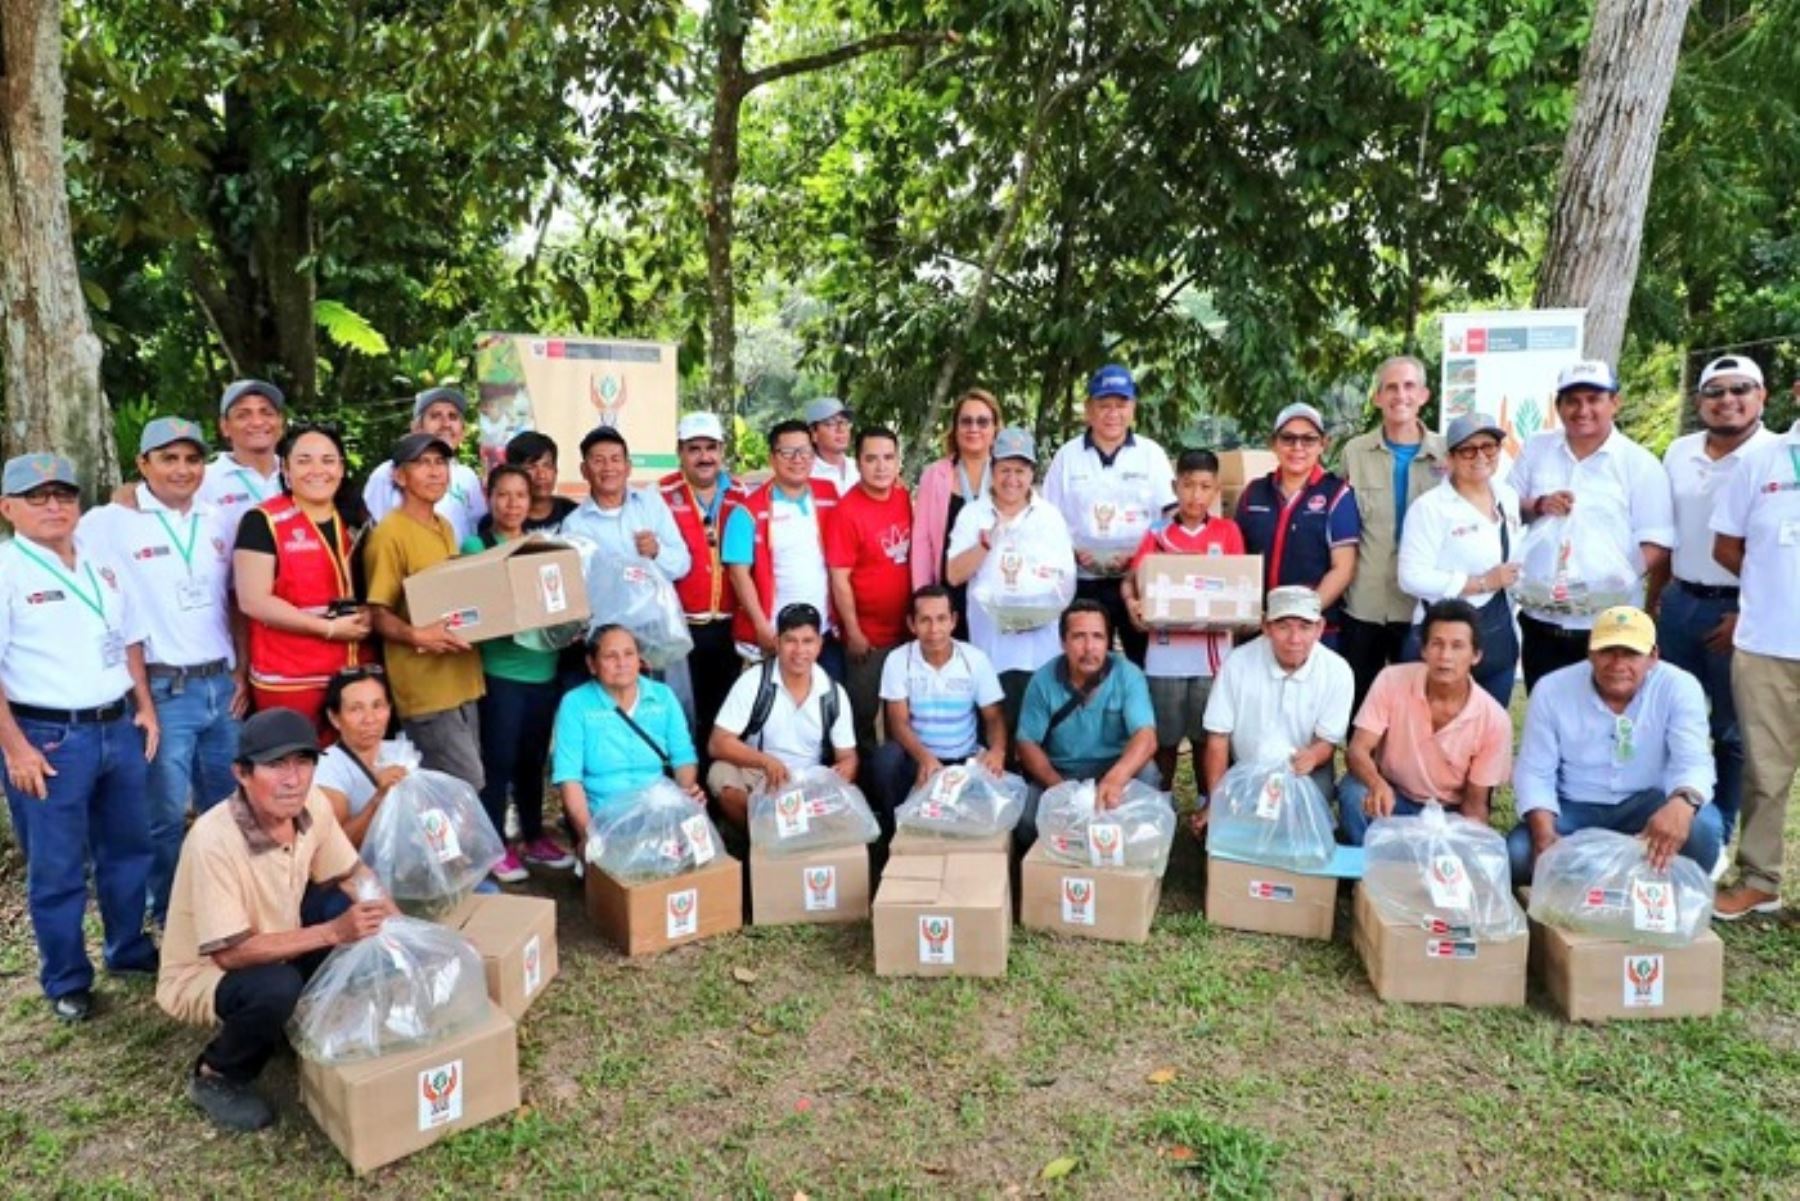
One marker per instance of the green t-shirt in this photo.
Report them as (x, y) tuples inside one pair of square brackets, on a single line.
[(504, 658)]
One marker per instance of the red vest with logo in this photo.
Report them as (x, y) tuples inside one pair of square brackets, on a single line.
[(705, 591), (762, 566), (309, 574)]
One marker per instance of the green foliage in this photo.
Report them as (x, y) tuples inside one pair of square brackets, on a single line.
[(348, 328)]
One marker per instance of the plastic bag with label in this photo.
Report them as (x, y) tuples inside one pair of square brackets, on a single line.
[(1020, 587), (656, 833), (631, 591), (1572, 567), (1266, 813), (1601, 882), (964, 800), (431, 842), (1444, 873), (1135, 833), (1115, 514), (410, 984), (814, 811)]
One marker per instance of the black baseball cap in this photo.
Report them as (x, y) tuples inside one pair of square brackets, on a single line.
[(412, 446), (275, 734)]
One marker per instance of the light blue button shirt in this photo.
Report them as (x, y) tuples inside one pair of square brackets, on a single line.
[(615, 533), (595, 745)]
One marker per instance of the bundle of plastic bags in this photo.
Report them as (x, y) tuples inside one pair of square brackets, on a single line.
[(1434, 868), (1115, 515), (964, 801), (1265, 813), (1135, 833), (656, 833), (1601, 882), (411, 984), (815, 810), (1021, 588), (631, 591), (431, 842), (1573, 566)]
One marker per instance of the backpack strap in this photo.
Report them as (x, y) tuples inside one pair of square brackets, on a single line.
[(828, 716), (764, 705)]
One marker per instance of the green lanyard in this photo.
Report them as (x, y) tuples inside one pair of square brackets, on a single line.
[(246, 481), (95, 602), (1794, 458), (187, 552)]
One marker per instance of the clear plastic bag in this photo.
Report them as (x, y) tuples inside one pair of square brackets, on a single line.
[(1115, 515), (1438, 871), (964, 801), (411, 984), (814, 811), (1572, 567), (431, 842), (1136, 833), (1265, 813), (1601, 882), (659, 832), (1020, 587), (633, 592)]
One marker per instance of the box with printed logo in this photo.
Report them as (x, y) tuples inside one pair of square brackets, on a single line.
[(1198, 592), (1435, 964), (524, 585), (1268, 900), (1239, 467), (824, 886), (1113, 904), (943, 915), (516, 938), (379, 1110), (648, 918), (1594, 979)]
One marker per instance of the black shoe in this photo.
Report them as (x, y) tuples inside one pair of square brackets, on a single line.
[(137, 971), (73, 1007), (230, 1105)]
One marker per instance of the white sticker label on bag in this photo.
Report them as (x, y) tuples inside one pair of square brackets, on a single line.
[(791, 819), (1268, 801), (1077, 901), (1643, 981), (948, 786), (698, 832), (1106, 844), (683, 914), (937, 940), (440, 836), (821, 889), (1448, 881), (550, 588), (1653, 906), (534, 965), (441, 1095)]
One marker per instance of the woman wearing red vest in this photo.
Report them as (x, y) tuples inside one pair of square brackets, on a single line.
[(292, 564)]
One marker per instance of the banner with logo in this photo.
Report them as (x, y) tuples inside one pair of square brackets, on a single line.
[(1505, 365)]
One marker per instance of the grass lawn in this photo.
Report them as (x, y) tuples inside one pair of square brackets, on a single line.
[(772, 1063)]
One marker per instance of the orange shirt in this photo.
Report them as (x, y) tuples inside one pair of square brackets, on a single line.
[(1475, 748)]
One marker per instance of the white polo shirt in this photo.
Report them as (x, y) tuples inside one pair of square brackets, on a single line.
[(1448, 540), (1621, 484), (1270, 712), (842, 478), (794, 734), (1040, 530), (178, 568), (1080, 478), (1695, 481), (230, 488), (943, 703), (463, 505), (63, 631), (1760, 503)]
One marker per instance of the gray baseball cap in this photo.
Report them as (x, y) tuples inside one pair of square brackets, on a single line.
[(166, 431), (1015, 442), (431, 396), (412, 446), (236, 390), (1293, 600), (825, 408), (28, 473), (1305, 412), (1468, 425)]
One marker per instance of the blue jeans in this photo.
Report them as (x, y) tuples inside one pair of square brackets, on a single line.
[(1351, 792), (1705, 839), (96, 811), (193, 759), (1681, 631), (516, 719)]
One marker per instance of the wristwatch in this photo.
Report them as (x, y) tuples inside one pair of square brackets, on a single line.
[(1693, 799)]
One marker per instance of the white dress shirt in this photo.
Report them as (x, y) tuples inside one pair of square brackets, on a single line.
[(63, 630), (1271, 712), (1080, 475), (178, 569), (1448, 540), (1696, 480), (1760, 503)]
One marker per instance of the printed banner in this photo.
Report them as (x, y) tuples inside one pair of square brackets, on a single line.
[(1505, 365)]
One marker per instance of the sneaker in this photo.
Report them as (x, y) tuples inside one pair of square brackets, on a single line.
[(229, 1104), (1743, 901), (543, 851), (509, 870), (73, 1007)]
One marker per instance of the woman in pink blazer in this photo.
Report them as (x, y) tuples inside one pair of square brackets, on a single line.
[(958, 478)]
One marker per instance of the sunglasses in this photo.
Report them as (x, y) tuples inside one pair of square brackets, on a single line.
[(43, 498), (975, 423), (1467, 452), (1720, 391), (1299, 439)]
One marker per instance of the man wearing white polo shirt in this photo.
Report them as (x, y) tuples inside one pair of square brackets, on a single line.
[(252, 418), (442, 413), (1696, 610), (176, 561), (1756, 520), (828, 423), (1586, 461)]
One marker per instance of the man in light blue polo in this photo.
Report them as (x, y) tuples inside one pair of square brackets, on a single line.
[(1087, 715), (1620, 742)]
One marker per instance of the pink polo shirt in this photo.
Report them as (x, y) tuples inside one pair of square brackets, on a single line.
[(1474, 748)]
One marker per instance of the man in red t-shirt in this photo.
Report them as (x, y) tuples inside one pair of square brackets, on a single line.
[(868, 545)]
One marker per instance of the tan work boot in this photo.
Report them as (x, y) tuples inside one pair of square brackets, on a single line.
[(1742, 901)]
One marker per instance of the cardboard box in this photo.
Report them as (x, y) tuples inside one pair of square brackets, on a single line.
[(523, 585), (1594, 979), (911, 842), (1268, 900), (943, 915), (380, 1110), (1113, 904), (516, 938), (1239, 467), (1226, 505), (1197, 592), (649, 918), (1412, 963), (825, 886)]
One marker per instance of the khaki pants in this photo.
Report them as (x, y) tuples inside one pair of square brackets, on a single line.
[(1766, 690)]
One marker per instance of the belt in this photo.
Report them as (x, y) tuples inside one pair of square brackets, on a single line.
[(71, 717), (1709, 591), (708, 619), (1553, 630), (200, 671)]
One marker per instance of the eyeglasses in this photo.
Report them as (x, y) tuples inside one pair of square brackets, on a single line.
[(1720, 391), (43, 498), (1307, 440), (1467, 452), (793, 454), (977, 422)]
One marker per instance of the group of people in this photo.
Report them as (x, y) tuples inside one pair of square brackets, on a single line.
[(840, 618)]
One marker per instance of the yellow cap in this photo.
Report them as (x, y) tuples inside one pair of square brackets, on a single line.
[(1623, 626)]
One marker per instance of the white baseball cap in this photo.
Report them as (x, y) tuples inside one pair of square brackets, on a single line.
[(1731, 364), (700, 425), (1293, 600), (1593, 373)]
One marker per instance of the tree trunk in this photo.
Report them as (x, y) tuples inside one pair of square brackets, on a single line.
[(52, 356), (1596, 231), (721, 184)]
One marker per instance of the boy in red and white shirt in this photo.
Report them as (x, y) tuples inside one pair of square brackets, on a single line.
[(1181, 664)]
